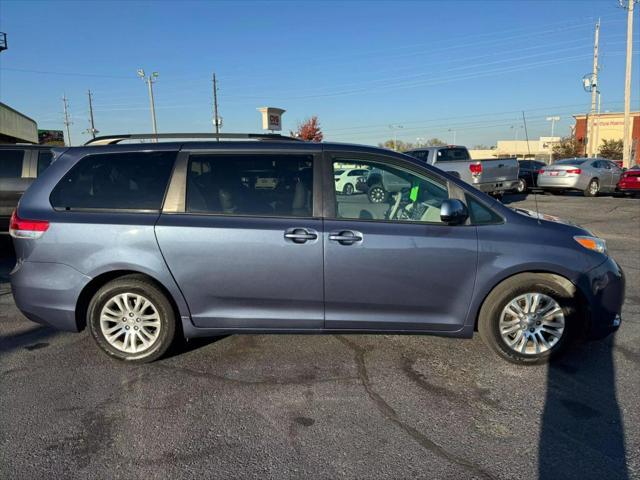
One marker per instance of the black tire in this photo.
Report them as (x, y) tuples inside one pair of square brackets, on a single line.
[(140, 285), (559, 289), (593, 188), (348, 189), (522, 186), (377, 194)]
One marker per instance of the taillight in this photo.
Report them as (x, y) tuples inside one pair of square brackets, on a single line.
[(21, 228), (577, 171), (540, 172), (476, 169)]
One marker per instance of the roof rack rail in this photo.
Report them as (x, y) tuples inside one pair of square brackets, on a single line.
[(114, 139)]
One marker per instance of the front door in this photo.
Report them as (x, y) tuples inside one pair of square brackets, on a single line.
[(246, 247), (394, 265)]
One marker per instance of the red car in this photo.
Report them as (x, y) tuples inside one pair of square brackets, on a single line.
[(630, 181)]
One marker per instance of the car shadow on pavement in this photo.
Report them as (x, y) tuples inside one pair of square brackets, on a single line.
[(182, 345), (32, 339), (582, 434)]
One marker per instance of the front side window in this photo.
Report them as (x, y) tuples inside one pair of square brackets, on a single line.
[(258, 185), (115, 181), (11, 163), (391, 193)]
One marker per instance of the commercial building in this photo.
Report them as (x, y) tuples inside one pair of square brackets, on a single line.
[(607, 126), (16, 127), (539, 149)]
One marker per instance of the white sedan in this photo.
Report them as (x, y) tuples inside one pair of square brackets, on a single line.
[(347, 178)]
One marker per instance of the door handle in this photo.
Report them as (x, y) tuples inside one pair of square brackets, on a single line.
[(300, 235), (346, 237)]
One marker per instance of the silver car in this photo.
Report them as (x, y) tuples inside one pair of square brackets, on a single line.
[(589, 175)]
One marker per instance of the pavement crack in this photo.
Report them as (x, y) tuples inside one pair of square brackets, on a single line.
[(390, 414)]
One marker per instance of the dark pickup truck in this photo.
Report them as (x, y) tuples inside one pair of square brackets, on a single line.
[(19, 166)]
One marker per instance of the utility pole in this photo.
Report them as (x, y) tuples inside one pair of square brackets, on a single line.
[(150, 80), (92, 128), (67, 122), (594, 91), (216, 117), (626, 148)]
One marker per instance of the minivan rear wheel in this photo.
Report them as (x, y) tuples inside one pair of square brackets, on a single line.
[(529, 318), (131, 319)]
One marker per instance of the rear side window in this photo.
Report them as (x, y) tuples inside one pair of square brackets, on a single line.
[(421, 154), (11, 163), (44, 160), (452, 154), (259, 185), (115, 181)]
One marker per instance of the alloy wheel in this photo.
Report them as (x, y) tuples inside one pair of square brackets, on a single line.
[(594, 187), (532, 323), (130, 322), (377, 195)]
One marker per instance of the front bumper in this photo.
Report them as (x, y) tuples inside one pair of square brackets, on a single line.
[(47, 293), (604, 287)]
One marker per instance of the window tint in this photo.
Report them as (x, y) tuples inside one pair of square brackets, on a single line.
[(421, 154), (479, 214), (452, 154), (391, 193), (265, 185), (571, 161), (11, 163), (116, 181), (44, 160)]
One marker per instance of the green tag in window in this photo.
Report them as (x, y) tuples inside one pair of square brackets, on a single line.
[(414, 193)]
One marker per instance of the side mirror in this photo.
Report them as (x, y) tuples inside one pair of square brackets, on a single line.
[(453, 212)]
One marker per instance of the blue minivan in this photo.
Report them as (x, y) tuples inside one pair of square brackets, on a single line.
[(148, 242)]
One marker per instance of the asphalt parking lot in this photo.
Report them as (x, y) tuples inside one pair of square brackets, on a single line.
[(276, 406)]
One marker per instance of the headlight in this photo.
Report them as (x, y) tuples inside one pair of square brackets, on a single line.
[(592, 243)]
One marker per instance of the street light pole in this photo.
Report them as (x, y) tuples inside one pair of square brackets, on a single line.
[(395, 135), (553, 120), (150, 80), (626, 148)]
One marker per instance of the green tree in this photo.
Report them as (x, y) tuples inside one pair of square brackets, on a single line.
[(568, 147), (399, 146), (435, 142), (611, 149)]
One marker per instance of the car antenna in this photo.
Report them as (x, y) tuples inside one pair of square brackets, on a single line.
[(535, 194)]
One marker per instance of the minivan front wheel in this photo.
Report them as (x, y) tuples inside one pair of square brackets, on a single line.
[(131, 319), (529, 318)]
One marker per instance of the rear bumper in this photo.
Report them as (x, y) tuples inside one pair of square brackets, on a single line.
[(47, 293), (629, 186), (492, 187), (604, 287), (566, 183)]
